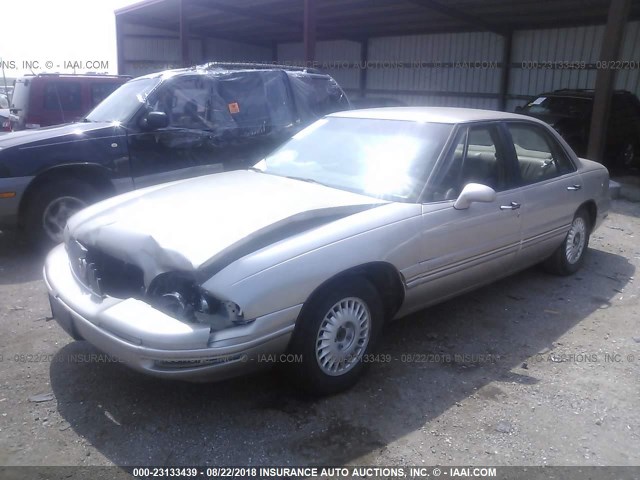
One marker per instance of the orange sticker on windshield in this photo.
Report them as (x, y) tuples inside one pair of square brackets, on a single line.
[(234, 107)]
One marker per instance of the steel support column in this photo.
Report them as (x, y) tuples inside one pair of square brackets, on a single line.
[(364, 59), (309, 32), (605, 77), (184, 35), (506, 70), (120, 45)]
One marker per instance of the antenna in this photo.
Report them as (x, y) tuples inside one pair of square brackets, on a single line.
[(6, 89)]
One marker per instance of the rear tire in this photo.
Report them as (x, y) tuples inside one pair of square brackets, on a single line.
[(569, 257), (337, 328), (626, 155), (49, 209)]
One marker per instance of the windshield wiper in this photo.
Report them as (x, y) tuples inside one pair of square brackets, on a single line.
[(292, 177), (305, 179)]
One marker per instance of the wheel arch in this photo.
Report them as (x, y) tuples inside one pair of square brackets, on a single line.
[(96, 176), (592, 210), (384, 277)]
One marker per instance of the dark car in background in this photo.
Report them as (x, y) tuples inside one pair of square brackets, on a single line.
[(52, 99), (569, 112), (359, 103), (157, 128)]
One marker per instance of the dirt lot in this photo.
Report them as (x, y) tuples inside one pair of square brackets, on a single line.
[(532, 370)]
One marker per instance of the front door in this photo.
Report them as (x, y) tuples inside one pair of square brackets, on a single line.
[(462, 249), (186, 147)]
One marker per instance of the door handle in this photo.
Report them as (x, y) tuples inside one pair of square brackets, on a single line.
[(511, 206), (574, 188)]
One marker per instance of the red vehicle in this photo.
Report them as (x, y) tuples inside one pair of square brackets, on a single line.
[(52, 99)]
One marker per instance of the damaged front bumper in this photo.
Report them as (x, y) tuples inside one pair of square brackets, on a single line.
[(155, 343)]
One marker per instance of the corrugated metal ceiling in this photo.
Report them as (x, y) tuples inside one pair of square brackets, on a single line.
[(277, 21)]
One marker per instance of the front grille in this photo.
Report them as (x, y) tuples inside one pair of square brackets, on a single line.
[(104, 274)]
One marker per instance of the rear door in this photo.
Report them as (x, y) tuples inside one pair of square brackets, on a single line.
[(624, 127), (550, 187)]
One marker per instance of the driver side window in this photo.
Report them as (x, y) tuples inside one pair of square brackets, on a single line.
[(474, 158), (186, 103)]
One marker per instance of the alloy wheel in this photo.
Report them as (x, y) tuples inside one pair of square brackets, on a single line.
[(343, 336), (576, 240), (55, 216)]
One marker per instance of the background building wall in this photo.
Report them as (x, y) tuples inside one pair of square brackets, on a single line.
[(148, 50), (453, 69)]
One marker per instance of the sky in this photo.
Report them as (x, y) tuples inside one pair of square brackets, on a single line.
[(65, 33)]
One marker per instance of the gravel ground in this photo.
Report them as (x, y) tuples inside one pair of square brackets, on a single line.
[(533, 370)]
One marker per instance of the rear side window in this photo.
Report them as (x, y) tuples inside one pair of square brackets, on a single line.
[(65, 96), (256, 102), (539, 156), (317, 96)]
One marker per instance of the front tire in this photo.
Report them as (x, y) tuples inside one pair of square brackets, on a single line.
[(569, 257), (50, 208), (337, 328)]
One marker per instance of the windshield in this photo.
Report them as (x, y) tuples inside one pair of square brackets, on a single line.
[(387, 159), (122, 104), (565, 106)]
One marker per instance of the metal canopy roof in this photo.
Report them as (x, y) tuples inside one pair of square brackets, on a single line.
[(277, 21)]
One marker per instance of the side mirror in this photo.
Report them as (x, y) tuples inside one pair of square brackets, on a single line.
[(474, 192), (155, 120)]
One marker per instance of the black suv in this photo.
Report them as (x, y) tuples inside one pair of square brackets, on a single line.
[(157, 128), (569, 112)]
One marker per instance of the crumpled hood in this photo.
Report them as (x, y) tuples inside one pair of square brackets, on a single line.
[(183, 225)]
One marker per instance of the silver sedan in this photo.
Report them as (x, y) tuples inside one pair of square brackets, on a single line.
[(361, 218)]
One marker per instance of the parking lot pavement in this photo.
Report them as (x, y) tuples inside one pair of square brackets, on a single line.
[(532, 370)]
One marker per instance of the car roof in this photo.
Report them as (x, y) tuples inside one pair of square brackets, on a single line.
[(450, 115), (216, 68), (73, 76)]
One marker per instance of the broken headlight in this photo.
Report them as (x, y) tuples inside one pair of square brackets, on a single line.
[(180, 297)]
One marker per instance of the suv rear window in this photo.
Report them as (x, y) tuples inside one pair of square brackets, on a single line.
[(65, 96), (317, 96), (566, 106)]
